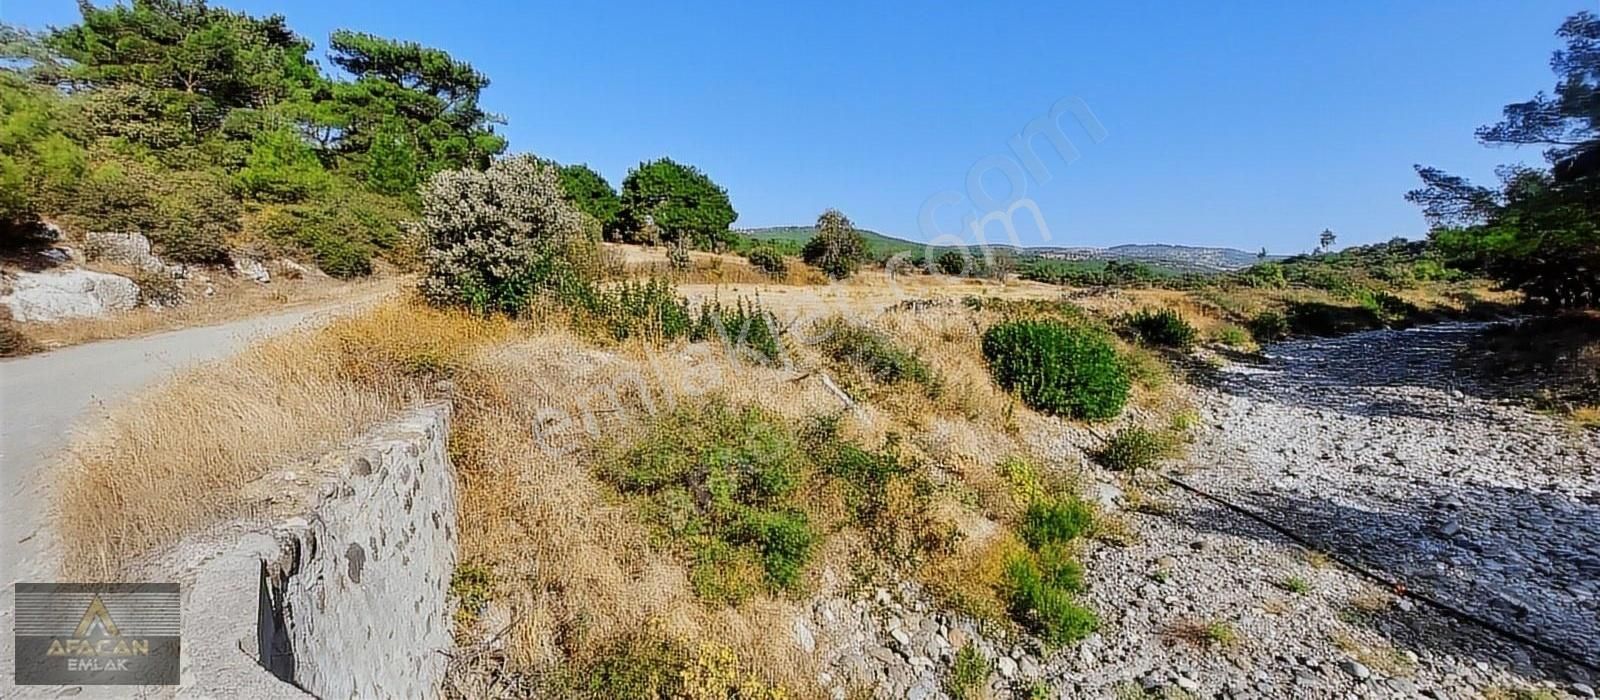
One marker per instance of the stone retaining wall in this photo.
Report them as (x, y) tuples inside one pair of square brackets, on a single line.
[(355, 604)]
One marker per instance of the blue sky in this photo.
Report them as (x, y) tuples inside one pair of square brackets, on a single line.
[(1246, 124)]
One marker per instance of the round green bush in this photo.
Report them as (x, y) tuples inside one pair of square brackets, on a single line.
[(1162, 327), (1133, 449), (1058, 369), (768, 260)]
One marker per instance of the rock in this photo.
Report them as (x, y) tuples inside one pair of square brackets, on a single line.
[(1356, 669), (251, 269), (803, 636), (900, 637), (1187, 683), (1107, 496), (57, 295), (1450, 528), (957, 637), (1007, 667), (1581, 690), (131, 249), (1028, 667)]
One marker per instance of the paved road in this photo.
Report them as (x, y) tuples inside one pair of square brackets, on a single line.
[(45, 397)]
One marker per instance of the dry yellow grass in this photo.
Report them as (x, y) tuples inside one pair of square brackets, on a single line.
[(536, 403), (175, 459), (708, 268)]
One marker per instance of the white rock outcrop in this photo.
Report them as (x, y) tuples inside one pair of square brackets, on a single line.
[(131, 249), (58, 295), (251, 269)]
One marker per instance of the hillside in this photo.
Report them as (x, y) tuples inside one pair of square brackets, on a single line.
[(881, 245), (1179, 258)]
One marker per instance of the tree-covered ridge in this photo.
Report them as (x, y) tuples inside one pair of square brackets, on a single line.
[(207, 128)]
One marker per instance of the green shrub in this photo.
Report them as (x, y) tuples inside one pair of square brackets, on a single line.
[(1390, 305), (721, 482), (157, 288), (1132, 449), (1058, 568), (768, 260), (1322, 319), (785, 540), (281, 167), (877, 355), (1233, 336), (952, 262), (1165, 327), (1058, 369), (471, 584), (887, 497), (678, 257), (196, 217), (499, 238), (865, 474), (1269, 326), (1055, 520), (649, 308), (746, 328), (1052, 612), (969, 674)]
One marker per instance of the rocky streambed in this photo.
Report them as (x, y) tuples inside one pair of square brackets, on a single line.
[(1373, 448)]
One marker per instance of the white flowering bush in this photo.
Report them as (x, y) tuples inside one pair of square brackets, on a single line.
[(498, 238)]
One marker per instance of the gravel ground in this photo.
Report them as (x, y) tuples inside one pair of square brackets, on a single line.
[(1370, 447)]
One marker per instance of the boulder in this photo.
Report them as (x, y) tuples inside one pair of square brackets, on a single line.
[(131, 249), (57, 295), (251, 269)]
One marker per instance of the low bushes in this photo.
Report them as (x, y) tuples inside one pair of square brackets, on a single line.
[(768, 260), (1165, 327), (1269, 326), (877, 355), (744, 498), (720, 483), (1053, 520), (1040, 584), (1323, 319), (1134, 448), (1059, 369), (885, 495), (969, 674)]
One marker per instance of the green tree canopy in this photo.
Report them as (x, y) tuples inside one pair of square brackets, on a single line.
[(209, 59), (678, 200), (424, 90), (590, 193), (837, 249), (1538, 231)]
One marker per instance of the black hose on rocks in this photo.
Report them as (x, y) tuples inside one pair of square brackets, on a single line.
[(1398, 587)]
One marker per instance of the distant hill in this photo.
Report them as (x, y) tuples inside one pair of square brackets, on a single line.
[(881, 246), (1175, 257)]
